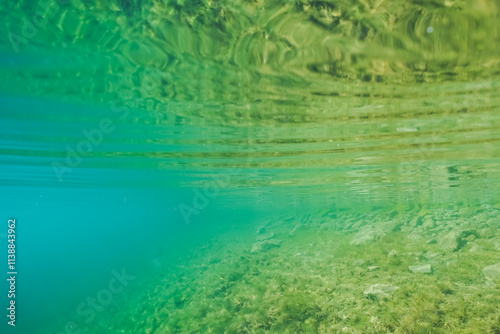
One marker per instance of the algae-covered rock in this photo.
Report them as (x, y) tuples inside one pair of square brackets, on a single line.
[(429, 223), (359, 262), (265, 236), (455, 240), (390, 226), (450, 242), (380, 291), (261, 230), (417, 221), (366, 235), (496, 243), (424, 269), (492, 273), (493, 222), (266, 245), (475, 248), (392, 253), (298, 228), (415, 235)]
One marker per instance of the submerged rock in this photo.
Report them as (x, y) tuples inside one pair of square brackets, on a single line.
[(455, 240), (492, 273), (429, 223), (366, 235), (415, 235), (380, 291), (417, 221), (297, 228), (261, 230), (392, 253), (475, 248), (496, 244), (266, 245), (450, 242), (359, 262), (424, 269), (265, 236)]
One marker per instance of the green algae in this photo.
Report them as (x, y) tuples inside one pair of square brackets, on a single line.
[(357, 103), (315, 282)]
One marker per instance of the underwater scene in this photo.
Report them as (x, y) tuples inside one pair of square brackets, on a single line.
[(250, 166)]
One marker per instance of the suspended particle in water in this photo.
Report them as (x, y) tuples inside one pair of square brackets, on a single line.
[(430, 29)]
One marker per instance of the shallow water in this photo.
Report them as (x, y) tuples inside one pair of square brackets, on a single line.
[(252, 166)]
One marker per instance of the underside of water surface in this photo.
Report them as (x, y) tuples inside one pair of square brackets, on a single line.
[(263, 166)]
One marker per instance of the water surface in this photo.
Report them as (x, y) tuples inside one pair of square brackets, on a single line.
[(255, 166)]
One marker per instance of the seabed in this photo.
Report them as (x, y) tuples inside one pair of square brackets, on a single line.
[(415, 271)]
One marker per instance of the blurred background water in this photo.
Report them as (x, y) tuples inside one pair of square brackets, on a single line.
[(117, 119)]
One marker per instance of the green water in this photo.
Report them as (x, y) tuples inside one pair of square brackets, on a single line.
[(252, 166)]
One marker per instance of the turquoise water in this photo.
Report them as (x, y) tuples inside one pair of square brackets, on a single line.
[(251, 166)]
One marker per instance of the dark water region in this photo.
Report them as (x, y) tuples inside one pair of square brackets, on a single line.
[(252, 166)]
